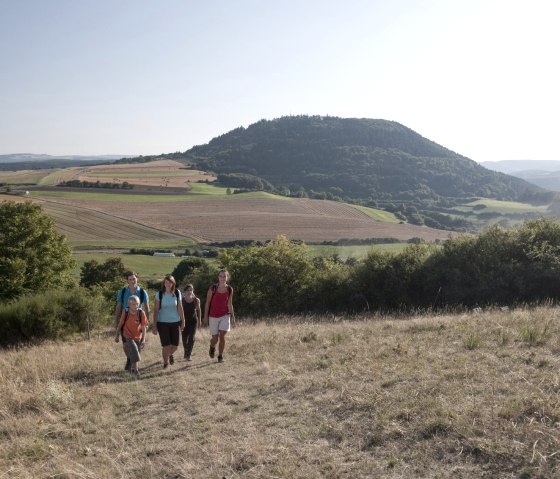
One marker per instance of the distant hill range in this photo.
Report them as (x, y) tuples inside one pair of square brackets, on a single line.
[(31, 161), (351, 159), (543, 173)]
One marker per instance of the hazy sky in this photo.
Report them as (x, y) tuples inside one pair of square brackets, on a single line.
[(480, 77)]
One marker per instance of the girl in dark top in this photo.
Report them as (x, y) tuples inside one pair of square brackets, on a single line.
[(193, 318), (218, 313)]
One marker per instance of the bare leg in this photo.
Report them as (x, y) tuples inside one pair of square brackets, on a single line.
[(222, 344)]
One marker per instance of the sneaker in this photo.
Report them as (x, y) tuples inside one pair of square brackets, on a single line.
[(171, 359), (211, 352), (188, 357), (127, 365), (220, 359)]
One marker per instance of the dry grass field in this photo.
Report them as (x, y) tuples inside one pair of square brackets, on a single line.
[(161, 173), (168, 202), (438, 396), (86, 224), (244, 217)]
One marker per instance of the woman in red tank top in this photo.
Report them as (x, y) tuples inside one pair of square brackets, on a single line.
[(218, 313)]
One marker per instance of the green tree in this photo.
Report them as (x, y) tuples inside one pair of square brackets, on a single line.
[(33, 255), (188, 268), (95, 273), (269, 279)]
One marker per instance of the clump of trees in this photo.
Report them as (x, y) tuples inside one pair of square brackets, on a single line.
[(38, 295), (33, 255), (125, 185), (496, 267)]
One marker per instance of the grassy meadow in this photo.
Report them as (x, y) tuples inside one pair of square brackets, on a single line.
[(472, 395), (355, 251), (148, 267), (502, 207)]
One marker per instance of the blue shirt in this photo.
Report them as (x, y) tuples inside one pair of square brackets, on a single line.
[(128, 294), (168, 312)]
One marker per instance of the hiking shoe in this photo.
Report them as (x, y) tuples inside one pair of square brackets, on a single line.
[(220, 359), (211, 352), (188, 357), (171, 359), (127, 365)]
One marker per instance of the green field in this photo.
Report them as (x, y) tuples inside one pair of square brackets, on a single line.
[(149, 267), (357, 251), (502, 207), (379, 215)]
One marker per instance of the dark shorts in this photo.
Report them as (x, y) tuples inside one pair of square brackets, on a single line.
[(169, 333)]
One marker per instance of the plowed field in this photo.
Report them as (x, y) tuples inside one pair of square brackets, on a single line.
[(237, 218)]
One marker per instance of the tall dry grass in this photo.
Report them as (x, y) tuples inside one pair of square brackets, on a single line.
[(448, 396)]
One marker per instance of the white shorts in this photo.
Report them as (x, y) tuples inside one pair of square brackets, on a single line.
[(219, 324)]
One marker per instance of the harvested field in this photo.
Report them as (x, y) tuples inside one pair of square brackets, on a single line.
[(14, 198), (164, 173), (24, 177), (238, 218), (79, 223)]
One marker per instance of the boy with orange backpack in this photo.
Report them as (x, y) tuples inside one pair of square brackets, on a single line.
[(132, 326)]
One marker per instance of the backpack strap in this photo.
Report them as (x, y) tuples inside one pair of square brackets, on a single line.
[(143, 296), (214, 289), (125, 319)]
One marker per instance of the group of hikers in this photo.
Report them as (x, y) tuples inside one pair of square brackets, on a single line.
[(175, 316)]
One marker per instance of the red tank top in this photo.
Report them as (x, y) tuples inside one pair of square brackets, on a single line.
[(219, 305)]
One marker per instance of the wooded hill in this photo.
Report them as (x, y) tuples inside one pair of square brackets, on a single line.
[(376, 163), (352, 158)]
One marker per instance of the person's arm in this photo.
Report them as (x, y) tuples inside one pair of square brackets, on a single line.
[(198, 312), (207, 305), (119, 327), (181, 311), (144, 325), (155, 315), (230, 309), (146, 308), (118, 311)]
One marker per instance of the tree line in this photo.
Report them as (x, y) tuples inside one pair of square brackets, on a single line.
[(39, 297), (125, 185)]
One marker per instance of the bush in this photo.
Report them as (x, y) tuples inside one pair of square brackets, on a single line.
[(52, 314)]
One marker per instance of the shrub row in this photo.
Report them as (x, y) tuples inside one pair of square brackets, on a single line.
[(495, 267), (52, 314)]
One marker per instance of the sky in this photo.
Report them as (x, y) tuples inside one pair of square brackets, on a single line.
[(143, 77)]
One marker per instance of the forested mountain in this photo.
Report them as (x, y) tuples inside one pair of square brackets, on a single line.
[(357, 159)]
